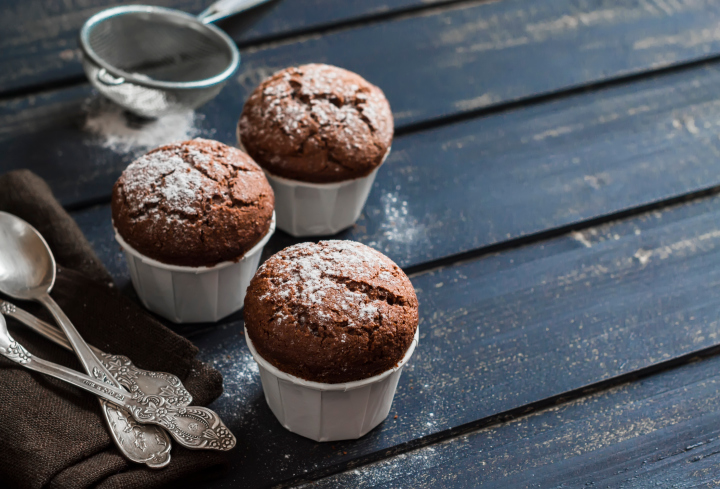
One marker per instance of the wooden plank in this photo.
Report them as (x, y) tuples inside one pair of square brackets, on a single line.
[(39, 41), (441, 61), (45, 133), (497, 333), (663, 431), (479, 182), (473, 54), (494, 44)]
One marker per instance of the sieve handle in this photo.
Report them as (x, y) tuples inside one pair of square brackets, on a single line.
[(225, 8), (107, 79)]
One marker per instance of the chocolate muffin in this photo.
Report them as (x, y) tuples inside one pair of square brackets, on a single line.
[(194, 203), (317, 123), (331, 312)]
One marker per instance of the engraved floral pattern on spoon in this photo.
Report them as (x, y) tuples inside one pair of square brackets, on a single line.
[(196, 426), (139, 382), (7, 308), (147, 445), (17, 353)]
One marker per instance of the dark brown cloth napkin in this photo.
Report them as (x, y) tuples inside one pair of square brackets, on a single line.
[(52, 434)]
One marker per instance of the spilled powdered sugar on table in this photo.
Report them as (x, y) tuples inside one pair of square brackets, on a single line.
[(123, 133), (317, 275), (241, 383)]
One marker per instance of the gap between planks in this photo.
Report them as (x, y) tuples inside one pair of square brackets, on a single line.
[(512, 105), (493, 109), (542, 404), (535, 238), (427, 7), (506, 416)]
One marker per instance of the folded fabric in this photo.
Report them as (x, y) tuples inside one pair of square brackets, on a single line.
[(53, 434)]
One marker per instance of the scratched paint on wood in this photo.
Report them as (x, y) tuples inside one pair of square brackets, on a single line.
[(413, 46), (661, 431), (39, 41), (498, 333), (480, 182)]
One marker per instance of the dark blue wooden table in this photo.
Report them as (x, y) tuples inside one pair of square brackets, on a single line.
[(552, 192)]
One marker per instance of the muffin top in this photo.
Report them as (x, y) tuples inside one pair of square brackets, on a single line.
[(331, 312), (317, 123), (194, 203)]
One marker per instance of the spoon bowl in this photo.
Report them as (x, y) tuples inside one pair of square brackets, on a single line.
[(27, 268), (27, 272)]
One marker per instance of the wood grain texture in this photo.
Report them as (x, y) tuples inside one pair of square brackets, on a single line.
[(497, 333), (445, 60), (45, 132), (663, 431), (480, 182), (39, 37)]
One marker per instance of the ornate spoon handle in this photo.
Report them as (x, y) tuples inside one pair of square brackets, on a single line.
[(127, 374), (193, 426), (143, 444)]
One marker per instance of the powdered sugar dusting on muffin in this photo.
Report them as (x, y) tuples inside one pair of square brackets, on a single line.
[(181, 187), (321, 312), (194, 203), (321, 94), (317, 123), (171, 177), (317, 273)]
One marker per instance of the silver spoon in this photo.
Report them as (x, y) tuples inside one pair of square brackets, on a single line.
[(192, 426), (131, 377), (27, 272)]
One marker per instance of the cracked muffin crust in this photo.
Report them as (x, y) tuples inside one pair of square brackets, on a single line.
[(331, 312), (317, 123), (194, 203)]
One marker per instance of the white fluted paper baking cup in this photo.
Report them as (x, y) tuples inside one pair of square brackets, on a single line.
[(329, 412), (316, 209), (193, 294)]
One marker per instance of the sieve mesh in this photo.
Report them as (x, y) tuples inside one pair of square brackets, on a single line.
[(162, 48)]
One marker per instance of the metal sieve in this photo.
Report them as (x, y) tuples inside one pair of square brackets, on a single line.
[(155, 61)]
